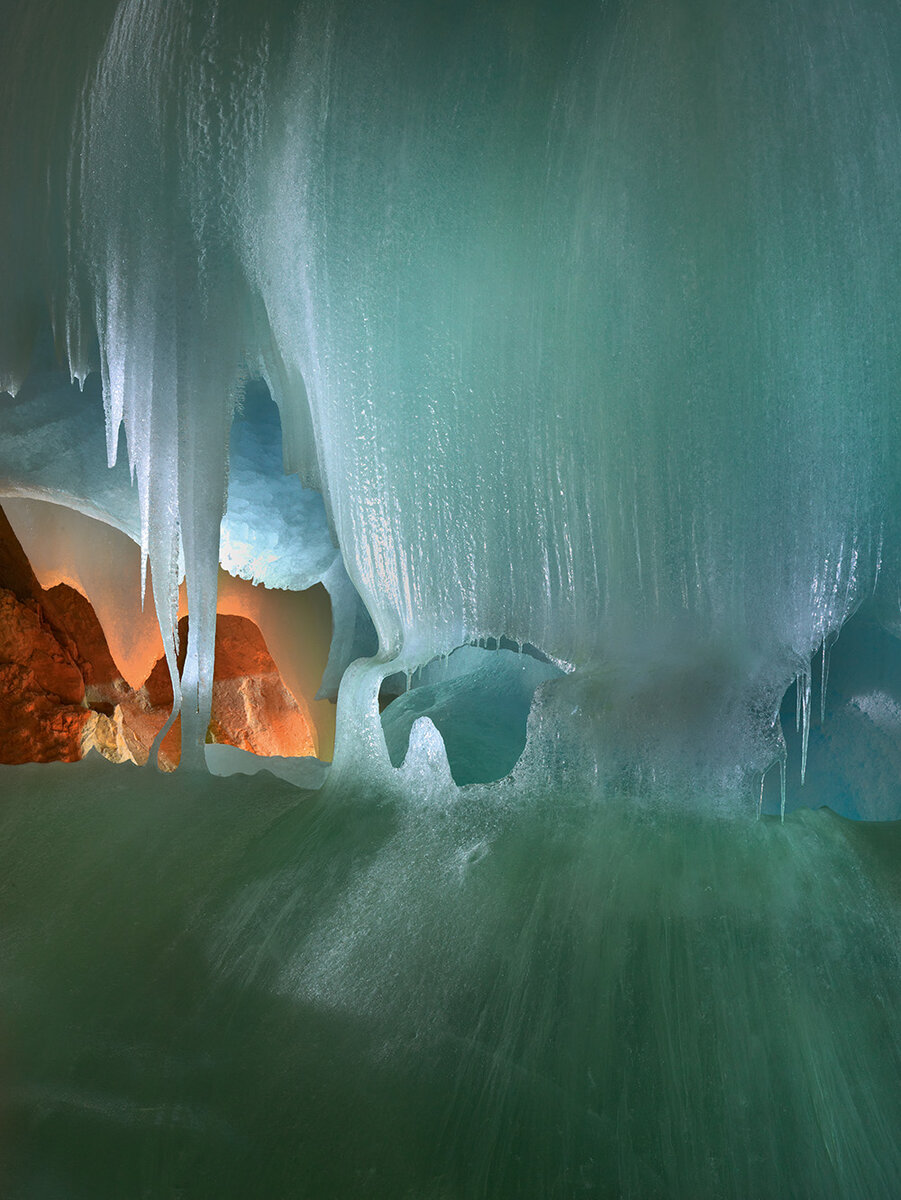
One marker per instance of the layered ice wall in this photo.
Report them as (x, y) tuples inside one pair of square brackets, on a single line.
[(582, 322)]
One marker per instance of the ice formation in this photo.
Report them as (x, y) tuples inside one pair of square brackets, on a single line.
[(580, 323), (581, 327)]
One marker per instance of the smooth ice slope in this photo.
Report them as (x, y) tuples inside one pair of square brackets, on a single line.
[(332, 995)]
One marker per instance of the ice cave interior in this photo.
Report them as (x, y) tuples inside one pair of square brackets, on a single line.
[(450, 599)]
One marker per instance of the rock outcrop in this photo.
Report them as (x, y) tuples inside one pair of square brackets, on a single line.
[(62, 695), (43, 716), (252, 707)]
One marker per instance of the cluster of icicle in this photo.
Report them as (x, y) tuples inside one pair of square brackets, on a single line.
[(583, 322)]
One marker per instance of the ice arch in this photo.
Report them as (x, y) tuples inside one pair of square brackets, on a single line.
[(80, 523), (851, 753), (478, 699)]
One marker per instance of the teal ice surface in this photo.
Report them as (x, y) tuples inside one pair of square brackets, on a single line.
[(480, 710), (226, 988), (582, 318)]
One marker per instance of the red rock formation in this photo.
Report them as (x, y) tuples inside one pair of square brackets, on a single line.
[(61, 693), (75, 616), (43, 717), (252, 708), (15, 570), (17, 576)]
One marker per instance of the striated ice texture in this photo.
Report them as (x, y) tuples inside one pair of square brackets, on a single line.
[(582, 324)]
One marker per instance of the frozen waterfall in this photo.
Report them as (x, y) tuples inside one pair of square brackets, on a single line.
[(557, 343), (581, 325)]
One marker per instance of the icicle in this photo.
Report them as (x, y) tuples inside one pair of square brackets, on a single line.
[(824, 679), (143, 576), (782, 773), (804, 690)]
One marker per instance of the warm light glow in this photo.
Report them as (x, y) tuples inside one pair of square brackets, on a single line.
[(103, 565)]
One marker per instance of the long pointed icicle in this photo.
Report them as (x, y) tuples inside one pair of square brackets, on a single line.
[(804, 690), (824, 679), (782, 774)]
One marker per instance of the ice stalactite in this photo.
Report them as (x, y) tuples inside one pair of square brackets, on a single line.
[(582, 326)]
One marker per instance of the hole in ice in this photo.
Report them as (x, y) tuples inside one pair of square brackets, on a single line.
[(479, 701), (274, 530), (274, 533), (253, 709), (854, 754)]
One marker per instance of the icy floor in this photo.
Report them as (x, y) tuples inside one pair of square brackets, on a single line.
[(230, 988)]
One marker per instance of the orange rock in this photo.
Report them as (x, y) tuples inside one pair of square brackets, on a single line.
[(74, 614), (27, 641), (252, 707), (61, 693), (44, 716), (15, 570), (42, 711)]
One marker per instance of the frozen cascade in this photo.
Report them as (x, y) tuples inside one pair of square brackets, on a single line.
[(580, 321), (597, 305)]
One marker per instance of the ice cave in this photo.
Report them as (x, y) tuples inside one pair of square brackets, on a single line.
[(450, 600)]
